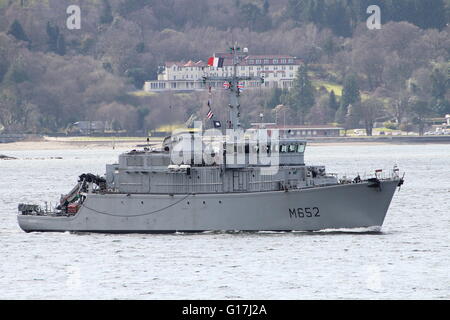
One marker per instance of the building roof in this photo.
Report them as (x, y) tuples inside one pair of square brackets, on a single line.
[(190, 63), (248, 60), (298, 127), (268, 59)]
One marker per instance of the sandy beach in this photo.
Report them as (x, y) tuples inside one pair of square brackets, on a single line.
[(48, 143), (52, 143), (76, 143)]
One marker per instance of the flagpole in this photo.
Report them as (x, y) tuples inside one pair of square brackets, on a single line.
[(232, 86)]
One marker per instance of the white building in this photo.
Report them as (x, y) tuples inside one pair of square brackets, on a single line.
[(278, 71)]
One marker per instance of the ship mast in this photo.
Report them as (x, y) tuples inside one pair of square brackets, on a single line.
[(233, 89)]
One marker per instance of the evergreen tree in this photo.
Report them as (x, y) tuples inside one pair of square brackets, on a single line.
[(275, 98), (430, 14), (106, 16), (61, 45), (340, 114), (17, 31), (137, 76), (337, 19), (318, 12), (350, 92), (420, 109), (332, 103), (53, 36), (301, 95), (254, 17), (440, 85), (440, 80), (56, 41), (350, 96), (266, 6)]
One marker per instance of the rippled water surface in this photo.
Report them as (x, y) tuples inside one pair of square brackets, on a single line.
[(408, 259)]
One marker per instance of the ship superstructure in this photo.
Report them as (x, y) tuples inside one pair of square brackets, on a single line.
[(224, 180)]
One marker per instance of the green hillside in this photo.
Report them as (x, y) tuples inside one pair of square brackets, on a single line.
[(51, 76)]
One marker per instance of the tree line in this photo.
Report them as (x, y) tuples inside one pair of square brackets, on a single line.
[(51, 77)]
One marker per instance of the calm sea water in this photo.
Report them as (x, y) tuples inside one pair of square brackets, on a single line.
[(408, 259)]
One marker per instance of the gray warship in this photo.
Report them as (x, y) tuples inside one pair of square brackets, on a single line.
[(168, 189)]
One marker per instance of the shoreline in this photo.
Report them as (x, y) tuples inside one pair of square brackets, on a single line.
[(133, 143), (61, 145)]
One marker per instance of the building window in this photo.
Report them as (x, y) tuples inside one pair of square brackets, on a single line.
[(291, 67), (266, 61), (251, 61), (275, 61), (283, 61), (290, 60), (258, 61)]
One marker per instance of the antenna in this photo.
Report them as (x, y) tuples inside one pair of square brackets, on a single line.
[(233, 88)]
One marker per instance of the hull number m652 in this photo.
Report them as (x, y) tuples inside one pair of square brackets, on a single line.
[(307, 212)]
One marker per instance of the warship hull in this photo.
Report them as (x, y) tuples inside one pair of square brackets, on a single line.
[(357, 205)]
